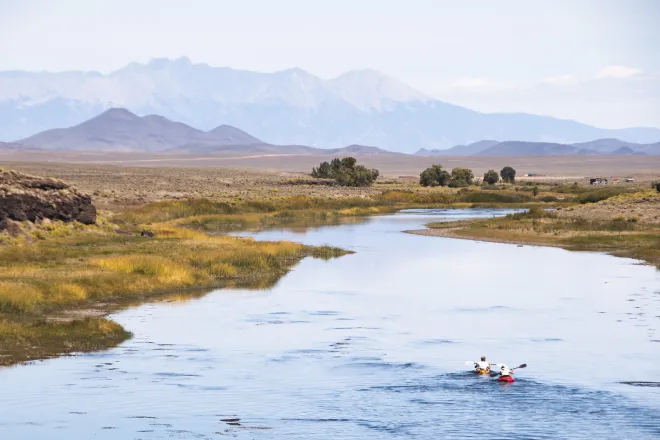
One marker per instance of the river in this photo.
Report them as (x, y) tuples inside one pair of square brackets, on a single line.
[(372, 346)]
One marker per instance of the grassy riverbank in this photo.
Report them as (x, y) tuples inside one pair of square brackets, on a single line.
[(594, 227), (58, 280), (70, 270)]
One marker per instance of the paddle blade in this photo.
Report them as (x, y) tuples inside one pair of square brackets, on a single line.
[(521, 366)]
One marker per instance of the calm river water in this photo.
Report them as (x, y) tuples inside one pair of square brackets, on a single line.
[(372, 346)]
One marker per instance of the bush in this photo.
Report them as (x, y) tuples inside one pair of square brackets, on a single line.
[(656, 185), (600, 194), (461, 177), (548, 199), (346, 172), (491, 177), (508, 174), (434, 176)]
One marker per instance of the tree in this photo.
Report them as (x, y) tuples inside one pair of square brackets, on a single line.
[(491, 177), (656, 185), (346, 172), (535, 191), (323, 171), (434, 176), (461, 177), (508, 174)]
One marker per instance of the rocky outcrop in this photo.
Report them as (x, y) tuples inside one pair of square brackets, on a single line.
[(24, 197)]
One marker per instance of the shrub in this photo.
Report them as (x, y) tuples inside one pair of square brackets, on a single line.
[(491, 177), (548, 199), (599, 194), (434, 176), (346, 172), (508, 174), (461, 177)]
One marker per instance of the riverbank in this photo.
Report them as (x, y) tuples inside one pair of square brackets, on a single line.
[(59, 280), (584, 227)]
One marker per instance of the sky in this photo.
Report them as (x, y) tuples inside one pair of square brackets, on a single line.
[(596, 61)]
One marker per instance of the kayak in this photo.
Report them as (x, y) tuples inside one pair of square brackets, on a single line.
[(481, 371), (506, 379)]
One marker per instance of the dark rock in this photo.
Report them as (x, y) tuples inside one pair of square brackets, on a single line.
[(147, 234), (36, 199), (11, 227)]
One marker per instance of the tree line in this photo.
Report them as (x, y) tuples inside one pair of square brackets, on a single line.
[(436, 175), (347, 172)]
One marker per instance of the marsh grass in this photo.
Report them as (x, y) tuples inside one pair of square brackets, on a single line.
[(27, 341), (620, 236)]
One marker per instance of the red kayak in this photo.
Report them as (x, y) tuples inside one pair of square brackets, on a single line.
[(506, 379)]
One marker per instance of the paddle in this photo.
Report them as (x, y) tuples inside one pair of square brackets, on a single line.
[(493, 373)]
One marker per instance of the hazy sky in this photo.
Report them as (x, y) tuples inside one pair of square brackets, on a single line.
[(596, 61)]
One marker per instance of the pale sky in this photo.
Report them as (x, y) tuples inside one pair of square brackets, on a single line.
[(596, 61)]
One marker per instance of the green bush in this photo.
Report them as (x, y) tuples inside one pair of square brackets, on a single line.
[(491, 177), (461, 177), (508, 174), (346, 172), (548, 199), (435, 175)]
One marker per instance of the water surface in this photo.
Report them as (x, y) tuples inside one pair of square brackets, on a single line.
[(372, 346)]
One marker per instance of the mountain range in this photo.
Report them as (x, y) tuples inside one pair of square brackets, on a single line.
[(119, 130), (521, 148), (290, 107)]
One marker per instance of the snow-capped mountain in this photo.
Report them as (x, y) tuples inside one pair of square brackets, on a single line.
[(287, 107)]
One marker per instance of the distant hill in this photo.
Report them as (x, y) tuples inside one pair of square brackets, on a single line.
[(624, 151), (258, 149), (289, 107), (519, 148), (12, 146), (459, 150), (118, 129)]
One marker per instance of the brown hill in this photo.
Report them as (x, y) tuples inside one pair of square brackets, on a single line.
[(118, 129)]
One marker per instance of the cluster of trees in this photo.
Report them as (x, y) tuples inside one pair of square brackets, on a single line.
[(346, 172), (461, 177)]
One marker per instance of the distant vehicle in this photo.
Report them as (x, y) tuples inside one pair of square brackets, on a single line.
[(598, 181), (630, 180)]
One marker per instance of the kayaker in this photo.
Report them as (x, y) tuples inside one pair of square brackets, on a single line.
[(482, 365), (505, 371)]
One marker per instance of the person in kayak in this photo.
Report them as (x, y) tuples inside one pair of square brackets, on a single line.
[(505, 371), (482, 365)]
